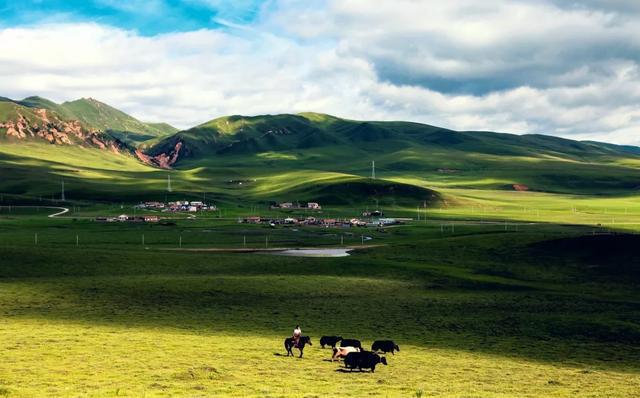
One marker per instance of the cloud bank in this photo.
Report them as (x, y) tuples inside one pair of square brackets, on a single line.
[(562, 68)]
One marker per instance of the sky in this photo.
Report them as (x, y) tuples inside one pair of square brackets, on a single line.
[(559, 67)]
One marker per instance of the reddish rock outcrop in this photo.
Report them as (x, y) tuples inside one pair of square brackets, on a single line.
[(163, 160), (49, 127), (520, 187)]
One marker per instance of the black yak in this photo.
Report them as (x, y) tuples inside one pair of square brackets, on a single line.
[(330, 341), (351, 343), (363, 360), (385, 346)]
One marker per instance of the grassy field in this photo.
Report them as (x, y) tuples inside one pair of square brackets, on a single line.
[(477, 311), (489, 292)]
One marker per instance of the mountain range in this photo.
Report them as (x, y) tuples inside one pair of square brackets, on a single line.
[(91, 116), (249, 145)]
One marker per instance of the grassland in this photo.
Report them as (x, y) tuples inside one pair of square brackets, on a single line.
[(478, 311), (488, 291)]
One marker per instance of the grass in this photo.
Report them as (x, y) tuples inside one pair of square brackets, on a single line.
[(492, 293), (476, 312)]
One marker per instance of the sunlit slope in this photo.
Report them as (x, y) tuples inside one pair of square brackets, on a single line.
[(105, 117), (94, 115), (442, 157), (317, 157), (36, 169)]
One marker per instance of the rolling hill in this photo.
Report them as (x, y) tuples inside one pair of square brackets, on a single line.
[(95, 115), (304, 156), (402, 150), (234, 135)]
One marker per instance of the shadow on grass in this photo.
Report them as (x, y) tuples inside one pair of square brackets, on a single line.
[(356, 371), (368, 296)]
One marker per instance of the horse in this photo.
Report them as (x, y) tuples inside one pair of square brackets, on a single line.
[(289, 344)]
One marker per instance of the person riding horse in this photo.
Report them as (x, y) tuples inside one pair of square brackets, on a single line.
[(297, 332), (297, 340)]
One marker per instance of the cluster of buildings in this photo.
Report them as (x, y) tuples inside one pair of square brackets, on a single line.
[(297, 206), (126, 218), (178, 206), (322, 222)]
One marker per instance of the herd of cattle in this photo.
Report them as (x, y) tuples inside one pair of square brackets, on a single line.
[(352, 352)]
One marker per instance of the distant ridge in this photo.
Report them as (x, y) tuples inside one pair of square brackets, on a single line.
[(98, 116), (238, 135)]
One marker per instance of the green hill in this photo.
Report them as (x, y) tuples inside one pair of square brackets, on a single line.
[(309, 156), (404, 150), (254, 134), (104, 117), (95, 115)]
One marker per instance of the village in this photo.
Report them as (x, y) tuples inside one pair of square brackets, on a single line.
[(178, 206), (368, 218), (181, 206), (297, 206), (321, 222)]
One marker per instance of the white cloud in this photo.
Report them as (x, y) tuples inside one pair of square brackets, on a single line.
[(519, 66)]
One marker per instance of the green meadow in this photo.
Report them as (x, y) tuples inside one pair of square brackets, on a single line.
[(477, 309), (488, 291)]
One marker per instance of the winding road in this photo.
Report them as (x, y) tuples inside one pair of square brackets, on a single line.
[(62, 211)]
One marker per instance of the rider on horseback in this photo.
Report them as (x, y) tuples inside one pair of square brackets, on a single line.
[(297, 332)]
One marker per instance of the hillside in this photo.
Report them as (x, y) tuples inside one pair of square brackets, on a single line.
[(255, 134), (21, 123), (303, 157), (98, 116), (106, 118), (404, 150)]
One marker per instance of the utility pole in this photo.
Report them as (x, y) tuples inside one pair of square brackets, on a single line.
[(373, 169), (425, 211), (169, 183)]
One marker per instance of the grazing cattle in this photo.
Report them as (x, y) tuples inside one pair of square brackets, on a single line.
[(330, 341), (342, 352), (385, 346), (351, 343), (290, 344), (363, 360)]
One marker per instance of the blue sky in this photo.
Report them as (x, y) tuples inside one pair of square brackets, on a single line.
[(565, 68), (147, 17)]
